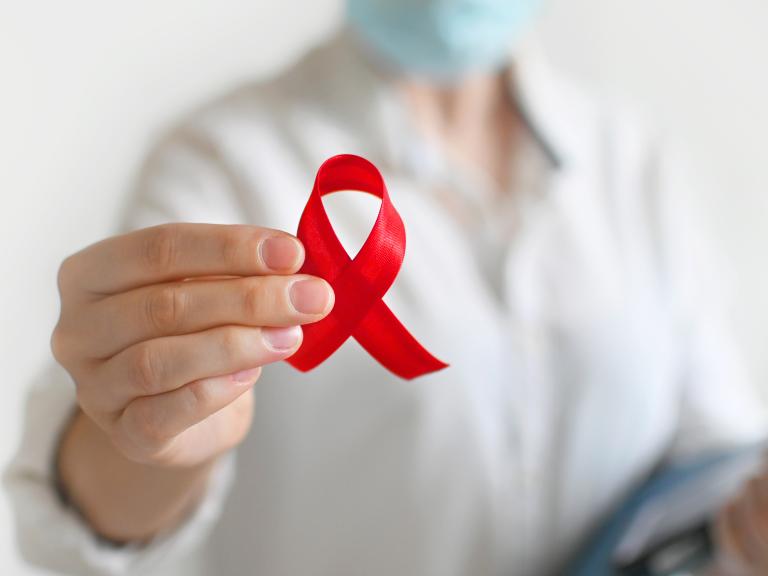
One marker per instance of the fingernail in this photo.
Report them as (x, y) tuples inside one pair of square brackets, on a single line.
[(281, 253), (311, 296), (246, 376), (281, 339)]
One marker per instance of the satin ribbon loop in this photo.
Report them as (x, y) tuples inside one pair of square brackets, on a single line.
[(360, 282)]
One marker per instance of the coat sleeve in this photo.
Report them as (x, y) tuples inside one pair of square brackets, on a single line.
[(719, 405), (183, 179)]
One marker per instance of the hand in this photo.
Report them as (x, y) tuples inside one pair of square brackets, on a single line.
[(741, 531), (165, 331)]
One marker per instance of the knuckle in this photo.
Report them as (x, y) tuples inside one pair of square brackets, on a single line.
[(234, 341), (165, 308), (59, 344), (64, 273), (146, 369), (231, 246), (200, 396), (160, 247), (240, 249), (67, 345), (255, 296), (145, 426)]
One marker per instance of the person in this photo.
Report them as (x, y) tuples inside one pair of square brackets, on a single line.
[(548, 263)]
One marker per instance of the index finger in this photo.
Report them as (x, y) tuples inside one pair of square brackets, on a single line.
[(180, 251)]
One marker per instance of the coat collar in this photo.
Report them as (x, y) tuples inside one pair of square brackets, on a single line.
[(555, 111), (558, 113)]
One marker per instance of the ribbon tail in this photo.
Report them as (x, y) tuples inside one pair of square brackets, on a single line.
[(389, 342)]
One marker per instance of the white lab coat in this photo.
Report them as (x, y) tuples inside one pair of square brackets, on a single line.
[(583, 350)]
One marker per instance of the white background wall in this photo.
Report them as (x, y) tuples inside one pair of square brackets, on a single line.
[(84, 85)]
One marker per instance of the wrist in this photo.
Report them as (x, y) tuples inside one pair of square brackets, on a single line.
[(122, 500)]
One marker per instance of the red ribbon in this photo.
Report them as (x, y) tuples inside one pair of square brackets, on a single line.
[(361, 282)]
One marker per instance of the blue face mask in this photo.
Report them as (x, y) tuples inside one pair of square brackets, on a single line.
[(441, 39)]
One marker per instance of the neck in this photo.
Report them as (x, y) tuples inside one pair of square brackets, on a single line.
[(467, 105), (474, 120)]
